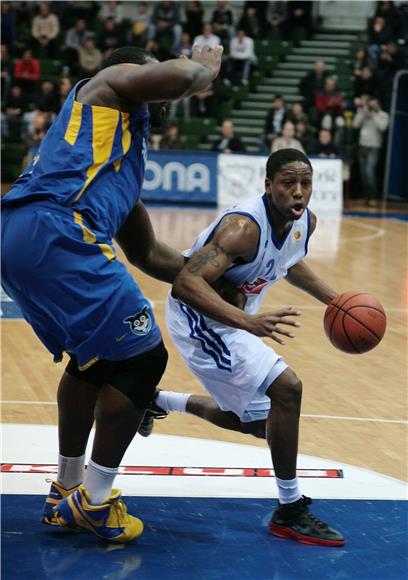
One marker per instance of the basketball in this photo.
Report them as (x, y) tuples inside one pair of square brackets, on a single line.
[(355, 322)]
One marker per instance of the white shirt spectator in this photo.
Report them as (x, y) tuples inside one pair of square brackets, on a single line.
[(211, 40), (45, 26), (372, 125), (242, 48)]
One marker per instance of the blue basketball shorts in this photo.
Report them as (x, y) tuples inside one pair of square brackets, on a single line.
[(71, 288)]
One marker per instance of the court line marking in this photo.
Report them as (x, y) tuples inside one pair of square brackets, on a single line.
[(378, 232), (306, 415)]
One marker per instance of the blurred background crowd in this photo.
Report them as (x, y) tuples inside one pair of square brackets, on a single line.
[(285, 81)]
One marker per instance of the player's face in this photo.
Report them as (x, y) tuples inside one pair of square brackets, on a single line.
[(289, 192)]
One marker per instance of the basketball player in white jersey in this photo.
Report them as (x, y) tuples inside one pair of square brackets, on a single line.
[(252, 389)]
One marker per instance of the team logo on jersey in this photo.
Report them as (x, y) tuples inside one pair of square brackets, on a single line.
[(140, 323), (297, 235), (254, 287)]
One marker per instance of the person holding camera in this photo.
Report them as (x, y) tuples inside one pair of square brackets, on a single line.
[(372, 122)]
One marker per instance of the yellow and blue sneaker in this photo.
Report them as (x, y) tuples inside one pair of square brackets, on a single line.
[(109, 520), (56, 494)]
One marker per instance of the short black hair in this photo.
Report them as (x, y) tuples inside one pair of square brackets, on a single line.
[(131, 54), (281, 158)]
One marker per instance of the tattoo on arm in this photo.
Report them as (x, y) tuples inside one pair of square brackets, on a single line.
[(203, 258)]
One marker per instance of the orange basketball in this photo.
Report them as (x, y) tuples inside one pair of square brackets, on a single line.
[(355, 322)]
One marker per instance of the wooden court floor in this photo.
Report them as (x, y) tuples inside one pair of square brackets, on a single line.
[(354, 407)]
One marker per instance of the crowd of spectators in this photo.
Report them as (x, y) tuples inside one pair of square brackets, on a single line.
[(81, 34)]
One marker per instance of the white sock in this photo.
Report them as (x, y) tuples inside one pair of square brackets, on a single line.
[(288, 490), (70, 471), (170, 401), (98, 481)]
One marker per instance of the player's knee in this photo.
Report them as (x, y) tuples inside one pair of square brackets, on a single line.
[(286, 390), (255, 428)]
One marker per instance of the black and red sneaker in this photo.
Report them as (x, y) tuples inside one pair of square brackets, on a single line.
[(296, 522), (152, 413)]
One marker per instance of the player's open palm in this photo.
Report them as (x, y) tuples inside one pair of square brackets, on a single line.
[(269, 324), (209, 57)]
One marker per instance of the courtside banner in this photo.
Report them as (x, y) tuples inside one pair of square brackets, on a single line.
[(242, 176), (181, 177)]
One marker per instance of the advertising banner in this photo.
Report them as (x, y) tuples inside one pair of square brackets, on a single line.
[(181, 177), (242, 176)]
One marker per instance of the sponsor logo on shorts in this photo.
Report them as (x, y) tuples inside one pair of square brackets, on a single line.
[(140, 323)]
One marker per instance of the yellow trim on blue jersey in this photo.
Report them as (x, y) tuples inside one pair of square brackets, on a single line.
[(90, 238), (74, 124), (126, 136), (89, 363), (104, 125)]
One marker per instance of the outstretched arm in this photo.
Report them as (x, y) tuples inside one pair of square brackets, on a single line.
[(128, 86), (301, 276), (142, 249)]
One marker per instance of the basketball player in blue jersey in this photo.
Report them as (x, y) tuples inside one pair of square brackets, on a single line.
[(80, 192), (252, 389)]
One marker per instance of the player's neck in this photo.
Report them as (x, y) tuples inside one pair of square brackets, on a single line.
[(280, 223)]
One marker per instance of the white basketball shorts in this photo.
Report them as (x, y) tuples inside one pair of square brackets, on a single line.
[(234, 366)]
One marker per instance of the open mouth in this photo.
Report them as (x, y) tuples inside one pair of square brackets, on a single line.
[(297, 210)]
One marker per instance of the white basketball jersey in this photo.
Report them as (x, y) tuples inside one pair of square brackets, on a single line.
[(272, 259)]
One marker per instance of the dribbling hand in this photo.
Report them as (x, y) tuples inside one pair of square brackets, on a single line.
[(208, 57), (267, 324)]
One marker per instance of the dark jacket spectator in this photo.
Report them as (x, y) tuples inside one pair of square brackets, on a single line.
[(172, 139), (222, 20), (276, 16), (47, 99), (313, 83), (388, 11), (194, 18), (111, 35), (249, 23), (366, 83), (8, 25), (274, 122), (360, 61), (185, 47), (6, 71), (16, 102), (229, 143), (324, 146), (299, 16)]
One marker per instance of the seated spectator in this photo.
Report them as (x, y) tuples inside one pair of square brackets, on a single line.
[(304, 134), (372, 122), (111, 35), (324, 146), (185, 47), (165, 23), (34, 133), (90, 58), (86, 9), (8, 25), (366, 83), (64, 88), (194, 18), (14, 107), (140, 24), (378, 34), (172, 139), (74, 39), (111, 9), (241, 57), (207, 38), (297, 114), (249, 23), (205, 103), (360, 61), (6, 71), (45, 29), (47, 99), (273, 123), (299, 19), (390, 61), (287, 140), (229, 142), (388, 11), (222, 21), (312, 84), (276, 18), (329, 106), (27, 72)]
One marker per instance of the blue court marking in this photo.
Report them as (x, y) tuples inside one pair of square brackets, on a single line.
[(208, 538), (378, 214)]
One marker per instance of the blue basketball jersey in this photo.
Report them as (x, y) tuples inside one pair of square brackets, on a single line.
[(92, 159)]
